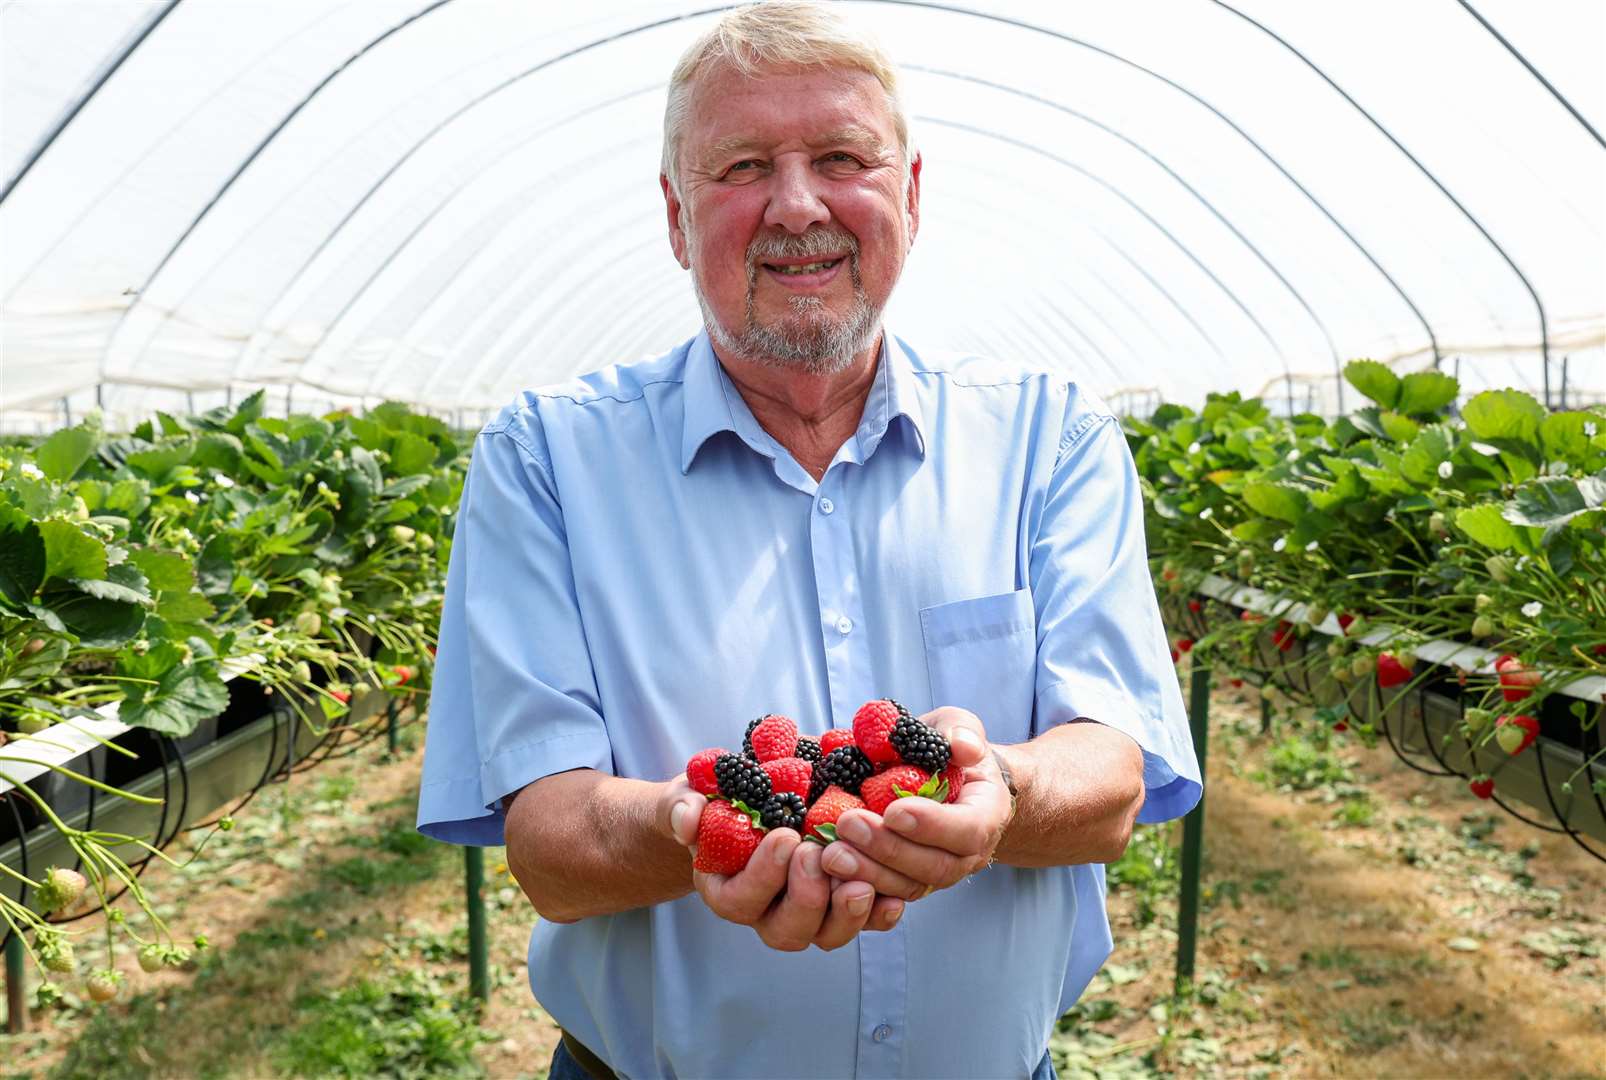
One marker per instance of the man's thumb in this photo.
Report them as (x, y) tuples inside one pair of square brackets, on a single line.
[(968, 747)]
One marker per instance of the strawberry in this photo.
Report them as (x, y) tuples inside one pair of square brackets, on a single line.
[(1482, 786), (872, 728), (789, 774), (1346, 620), (727, 835), (774, 737), (1599, 650), (1341, 725), (1477, 719), (1194, 606), (820, 824), (1483, 626), (103, 985), (700, 770), (954, 777), (403, 674), (1249, 616), (1236, 683), (1184, 644), (342, 696), (1516, 681), (151, 958), (59, 889), (1390, 672), (879, 791), (834, 738), (1168, 574), (1283, 636), (1515, 733), (1175, 656)]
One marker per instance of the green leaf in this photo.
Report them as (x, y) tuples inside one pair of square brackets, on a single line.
[(1562, 436), (1376, 381), (249, 410), (220, 451), (411, 454), (97, 623), (1369, 421), (70, 552), (1426, 392), (123, 583), (36, 666), (1256, 529), (172, 425), (22, 555), (1504, 414), (156, 463), (1555, 501), (184, 607), (1432, 447), (164, 570), (1279, 501), (1486, 525), (64, 453), (1398, 428), (182, 698)]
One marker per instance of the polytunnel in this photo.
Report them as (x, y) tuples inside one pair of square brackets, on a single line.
[(442, 202)]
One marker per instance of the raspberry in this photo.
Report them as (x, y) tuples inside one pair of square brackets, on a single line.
[(879, 791), (920, 744), (773, 737), (819, 824), (809, 750), (836, 737), (727, 836), (789, 774), (742, 779), (784, 810), (845, 767), (700, 771), (872, 728)]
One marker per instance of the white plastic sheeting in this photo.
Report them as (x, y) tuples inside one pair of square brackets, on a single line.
[(445, 201)]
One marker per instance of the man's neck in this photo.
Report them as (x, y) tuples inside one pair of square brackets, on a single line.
[(810, 415)]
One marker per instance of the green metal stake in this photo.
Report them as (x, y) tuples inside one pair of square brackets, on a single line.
[(16, 987), (1193, 832), (479, 980), (1265, 713), (390, 727)]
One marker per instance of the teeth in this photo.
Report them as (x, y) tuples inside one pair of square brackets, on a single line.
[(807, 268)]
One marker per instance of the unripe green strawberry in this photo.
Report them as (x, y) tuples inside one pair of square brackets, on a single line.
[(1515, 733), (55, 951), (1336, 648), (309, 623), (103, 985), (303, 671), (1500, 568), (426, 541), (403, 534), (1316, 613), (32, 723), (1363, 665), (60, 888), (1483, 626), (151, 958), (1438, 525), (1478, 719), (1482, 601)]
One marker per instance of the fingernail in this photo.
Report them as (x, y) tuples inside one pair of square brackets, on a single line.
[(967, 737), (783, 853), (853, 830), (900, 821), (842, 862), (677, 814), (811, 862), (858, 905), (894, 913)]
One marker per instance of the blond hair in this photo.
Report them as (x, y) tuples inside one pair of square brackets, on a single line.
[(779, 34)]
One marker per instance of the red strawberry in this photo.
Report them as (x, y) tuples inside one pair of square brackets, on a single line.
[(1249, 616), (1175, 656), (1194, 606), (1168, 574), (1390, 672), (774, 737), (1184, 644), (727, 836), (1236, 683), (1599, 650), (342, 696), (1344, 622), (700, 771), (1516, 733), (1341, 725), (836, 737), (1283, 636), (872, 726), (403, 674), (879, 791), (1516, 681), (789, 774), (820, 824), (1482, 786), (954, 776)]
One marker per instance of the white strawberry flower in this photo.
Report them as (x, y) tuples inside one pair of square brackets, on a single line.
[(1446, 470), (222, 481), (1205, 514), (1590, 428), (1532, 609), (192, 498), (31, 470), (1282, 542), (1312, 546), (1193, 447), (1293, 455)]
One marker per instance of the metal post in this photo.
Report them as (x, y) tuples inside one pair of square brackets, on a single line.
[(1265, 714), (16, 986), (479, 981), (390, 727), (1193, 832)]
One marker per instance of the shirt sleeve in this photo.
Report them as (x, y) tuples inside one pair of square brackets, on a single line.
[(1102, 650), (515, 695)]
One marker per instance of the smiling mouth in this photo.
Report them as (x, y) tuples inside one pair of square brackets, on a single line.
[(803, 268)]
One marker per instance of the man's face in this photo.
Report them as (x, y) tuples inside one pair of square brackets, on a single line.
[(784, 171)]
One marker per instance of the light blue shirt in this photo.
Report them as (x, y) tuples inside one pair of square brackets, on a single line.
[(639, 569)]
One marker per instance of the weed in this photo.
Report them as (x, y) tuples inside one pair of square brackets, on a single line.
[(1295, 762), (1149, 868)]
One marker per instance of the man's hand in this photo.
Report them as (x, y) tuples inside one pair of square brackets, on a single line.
[(920, 845), (782, 893)]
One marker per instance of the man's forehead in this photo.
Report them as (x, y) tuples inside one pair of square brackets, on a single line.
[(856, 135)]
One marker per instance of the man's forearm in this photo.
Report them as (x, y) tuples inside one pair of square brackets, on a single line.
[(583, 843), (1080, 788)]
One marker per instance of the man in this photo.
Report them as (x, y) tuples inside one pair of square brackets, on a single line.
[(796, 512)]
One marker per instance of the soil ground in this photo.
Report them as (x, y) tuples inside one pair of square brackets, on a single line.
[(1360, 919)]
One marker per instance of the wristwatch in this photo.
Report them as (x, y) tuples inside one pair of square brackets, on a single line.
[(1009, 777)]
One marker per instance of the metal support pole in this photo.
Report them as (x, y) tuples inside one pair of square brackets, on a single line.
[(1193, 832), (1265, 714), (16, 986), (479, 979), (390, 727)]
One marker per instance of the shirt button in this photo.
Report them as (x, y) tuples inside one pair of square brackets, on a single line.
[(882, 1033), (826, 506), (844, 625)]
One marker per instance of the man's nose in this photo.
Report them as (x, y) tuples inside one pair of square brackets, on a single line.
[(795, 203)]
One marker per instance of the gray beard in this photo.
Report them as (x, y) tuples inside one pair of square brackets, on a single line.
[(809, 339)]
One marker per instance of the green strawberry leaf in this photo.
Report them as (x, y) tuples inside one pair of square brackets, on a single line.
[(23, 558), (1279, 501), (1423, 392), (1376, 381), (1555, 501), (123, 583), (164, 570), (1431, 447), (1486, 524), (827, 830), (70, 552), (64, 453), (183, 696), (1504, 414)]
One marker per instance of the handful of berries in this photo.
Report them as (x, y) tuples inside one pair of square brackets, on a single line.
[(782, 780)]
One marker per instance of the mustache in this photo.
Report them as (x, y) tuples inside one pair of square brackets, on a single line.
[(811, 245)]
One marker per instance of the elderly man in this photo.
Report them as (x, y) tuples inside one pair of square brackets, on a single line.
[(796, 512)]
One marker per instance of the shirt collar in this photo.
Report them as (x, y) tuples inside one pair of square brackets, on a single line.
[(712, 400)]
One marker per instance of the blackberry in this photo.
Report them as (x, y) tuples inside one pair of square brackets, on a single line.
[(747, 738), (784, 810), (919, 744), (846, 767), (741, 779), (808, 749)]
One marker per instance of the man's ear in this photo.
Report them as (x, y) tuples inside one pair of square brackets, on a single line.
[(912, 207), (677, 235)]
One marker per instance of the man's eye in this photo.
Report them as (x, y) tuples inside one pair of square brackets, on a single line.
[(739, 164), (842, 155)]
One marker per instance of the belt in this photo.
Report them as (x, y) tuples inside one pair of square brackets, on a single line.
[(590, 1064)]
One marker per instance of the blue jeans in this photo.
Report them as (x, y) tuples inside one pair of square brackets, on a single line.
[(564, 1067)]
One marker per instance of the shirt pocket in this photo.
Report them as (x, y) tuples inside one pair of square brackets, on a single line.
[(981, 655)]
